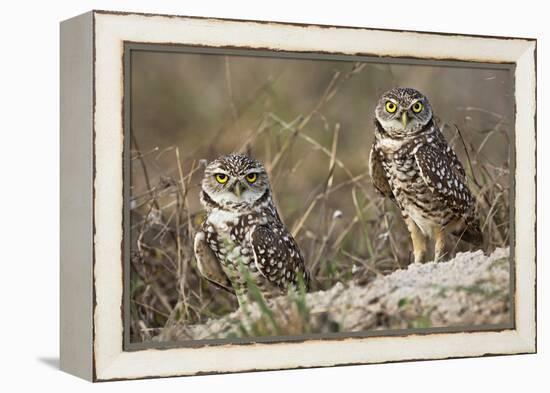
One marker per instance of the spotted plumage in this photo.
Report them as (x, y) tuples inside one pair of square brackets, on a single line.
[(243, 234), (412, 164)]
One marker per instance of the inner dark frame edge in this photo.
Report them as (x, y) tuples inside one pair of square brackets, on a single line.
[(129, 47)]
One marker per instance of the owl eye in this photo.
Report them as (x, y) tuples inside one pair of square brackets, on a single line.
[(391, 107), (417, 107), (221, 178), (251, 177)]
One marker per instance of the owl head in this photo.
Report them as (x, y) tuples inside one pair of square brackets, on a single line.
[(235, 181), (403, 111)]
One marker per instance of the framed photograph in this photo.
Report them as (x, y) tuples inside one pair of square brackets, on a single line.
[(245, 195)]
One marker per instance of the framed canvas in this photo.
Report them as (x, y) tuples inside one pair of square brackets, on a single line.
[(245, 195)]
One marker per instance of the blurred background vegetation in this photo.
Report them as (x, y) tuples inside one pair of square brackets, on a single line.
[(311, 123)]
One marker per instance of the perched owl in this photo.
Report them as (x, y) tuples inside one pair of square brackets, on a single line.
[(243, 233), (412, 164)]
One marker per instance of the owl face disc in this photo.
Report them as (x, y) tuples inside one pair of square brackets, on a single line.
[(403, 112)]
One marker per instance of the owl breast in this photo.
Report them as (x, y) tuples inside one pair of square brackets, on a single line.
[(411, 192), (227, 235)]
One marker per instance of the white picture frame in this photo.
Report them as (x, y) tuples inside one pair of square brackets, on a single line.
[(92, 143)]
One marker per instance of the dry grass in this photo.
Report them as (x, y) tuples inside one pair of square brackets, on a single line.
[(345, 229), (471, 289)]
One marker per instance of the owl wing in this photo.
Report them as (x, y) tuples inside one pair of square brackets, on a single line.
[(444, 175), (277, 256), (446, 178), (208, 265), (378, 175), (449, 152)]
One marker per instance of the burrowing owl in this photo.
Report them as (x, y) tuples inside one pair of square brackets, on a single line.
[(412, 164), (243, 233)]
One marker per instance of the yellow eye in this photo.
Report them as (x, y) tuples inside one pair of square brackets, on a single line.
[(251, 177), (391, 107), (417, 107), (221, 178)]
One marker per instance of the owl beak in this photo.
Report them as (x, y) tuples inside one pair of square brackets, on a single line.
[(238, 190), (404, 119)]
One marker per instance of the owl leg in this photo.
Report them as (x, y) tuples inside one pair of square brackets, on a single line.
[(246, 298), (269, 298), (440, 246), (418, 241)]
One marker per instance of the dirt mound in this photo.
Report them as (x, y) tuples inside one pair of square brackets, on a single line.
[(471, 289)]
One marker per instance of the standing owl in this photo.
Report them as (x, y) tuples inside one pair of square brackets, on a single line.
[(412, 164), (243, 233)]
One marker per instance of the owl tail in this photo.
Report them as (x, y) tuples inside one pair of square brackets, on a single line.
[(470, 232)]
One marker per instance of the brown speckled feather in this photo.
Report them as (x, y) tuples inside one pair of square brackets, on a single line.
[(378, 175)]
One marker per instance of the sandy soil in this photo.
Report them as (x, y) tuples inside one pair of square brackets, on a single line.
[(471, 289)]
